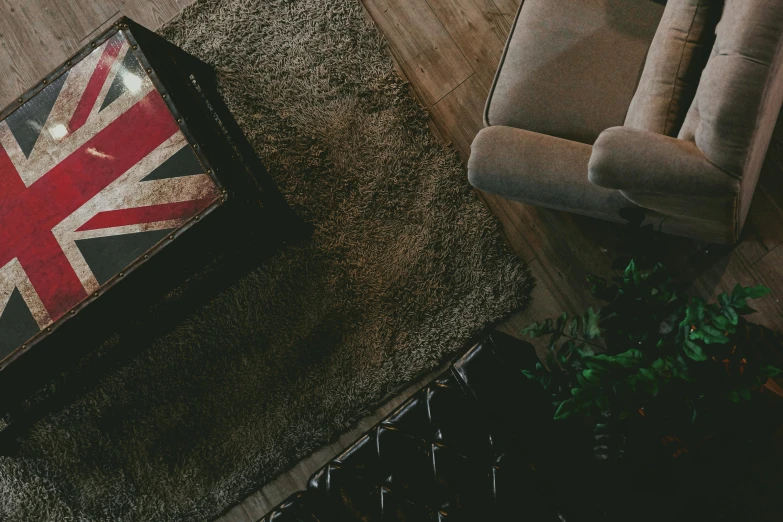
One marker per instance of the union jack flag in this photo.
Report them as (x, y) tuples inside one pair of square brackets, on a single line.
[(94, 171)]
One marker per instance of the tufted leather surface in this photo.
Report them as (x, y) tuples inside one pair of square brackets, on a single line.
[(452, 452)]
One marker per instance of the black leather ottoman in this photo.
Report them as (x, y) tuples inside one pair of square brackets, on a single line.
[(465, 447)]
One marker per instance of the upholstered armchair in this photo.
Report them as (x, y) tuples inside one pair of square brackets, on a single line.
[(604, 104)]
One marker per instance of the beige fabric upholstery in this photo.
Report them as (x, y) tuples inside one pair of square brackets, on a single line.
[(740, 93), (725, 135), (633, 160), (570, 67), (670, 176), (564, 80), (674, 64), (539, 169)]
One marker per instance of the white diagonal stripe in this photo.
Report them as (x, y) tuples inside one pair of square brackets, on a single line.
[(128, 191), (115, 69), (49, 151)]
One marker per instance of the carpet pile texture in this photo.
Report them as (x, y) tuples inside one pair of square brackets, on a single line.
[(404, 266)]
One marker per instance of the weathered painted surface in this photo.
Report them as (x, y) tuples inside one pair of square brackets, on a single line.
[(94, 172)]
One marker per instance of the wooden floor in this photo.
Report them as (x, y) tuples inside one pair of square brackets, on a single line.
[(448, 50)]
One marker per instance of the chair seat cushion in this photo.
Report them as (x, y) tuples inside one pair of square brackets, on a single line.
[(571, 67)]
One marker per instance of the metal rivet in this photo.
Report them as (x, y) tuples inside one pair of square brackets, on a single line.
[(179, 120), (68, 62), (209, 171), (165, 96), (195, 146), (149, 71), (73, 312), (171, 238), (20, 100), (198, 217), (92, 45), (146, 256), (24, 347), (135, 47), (44, 82), (122, 274), (96, 294), (48, 329)]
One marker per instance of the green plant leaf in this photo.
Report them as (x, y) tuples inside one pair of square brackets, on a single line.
[(530, 375), (694, 351), (632, 273), (566, 409), (628, 359), (679, 367), (648, 381), (694, 314), (731, 315), (573, 327), (538, 329), (745, 309), (592, 376), (583, 382), (710, 335), (560, 323), (590, 322), (749, 292), (721, 322), (583, 351)]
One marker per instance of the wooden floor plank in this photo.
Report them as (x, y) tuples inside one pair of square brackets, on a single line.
[(566, 252), (509, 225), (508, 10), (762, 230), (150, 13), (476, 27), (34, 41), (429, 57), (731, 269), (459, 113), (85, 17), (235, 514)]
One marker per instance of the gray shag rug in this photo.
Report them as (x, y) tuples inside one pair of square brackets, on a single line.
[(404, 267)]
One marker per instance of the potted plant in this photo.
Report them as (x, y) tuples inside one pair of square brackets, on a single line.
[(658, 375)]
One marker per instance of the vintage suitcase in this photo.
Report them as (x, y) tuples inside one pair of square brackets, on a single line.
[(122, 174)]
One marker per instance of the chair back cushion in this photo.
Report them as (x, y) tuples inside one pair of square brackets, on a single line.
[(739, 97), (677, 56)]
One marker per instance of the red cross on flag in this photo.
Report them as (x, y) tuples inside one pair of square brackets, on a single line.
[(94, 171)]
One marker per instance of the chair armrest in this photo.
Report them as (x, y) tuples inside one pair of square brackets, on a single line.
[(640, 161), (541, 170)]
